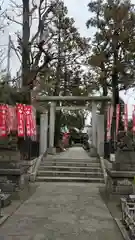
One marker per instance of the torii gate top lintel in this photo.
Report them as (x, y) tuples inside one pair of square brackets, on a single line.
[(73, 98)]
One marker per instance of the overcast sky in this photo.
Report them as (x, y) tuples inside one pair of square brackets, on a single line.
[(79, 11)]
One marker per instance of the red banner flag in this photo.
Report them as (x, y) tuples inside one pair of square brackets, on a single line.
[(117, 117), (133, 117), (33, 123), (28, 118), (20, 120), (3, 117), (11, 119), (109, 121), (125, 117)]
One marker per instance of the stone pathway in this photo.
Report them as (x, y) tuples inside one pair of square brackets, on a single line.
[(75, 153), (72, 153), (62, 211)]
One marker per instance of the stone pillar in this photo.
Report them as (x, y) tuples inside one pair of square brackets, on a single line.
[(94, 124), (90, 136), (43, 132), (100, 135), (52, 127)]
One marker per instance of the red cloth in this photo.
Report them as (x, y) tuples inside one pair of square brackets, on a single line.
[(66, 138)]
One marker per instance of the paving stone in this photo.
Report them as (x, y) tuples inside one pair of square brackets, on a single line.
[(72, 153), (15, 237), (62, 211)]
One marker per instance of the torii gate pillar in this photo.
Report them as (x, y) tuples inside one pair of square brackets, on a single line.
[(94, 124), (43, 132), (100, 135), (51, 149)]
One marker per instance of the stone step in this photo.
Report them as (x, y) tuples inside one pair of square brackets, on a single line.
[(70, 174), (70, 163), (69, 179), (85, 160), (70, 168)]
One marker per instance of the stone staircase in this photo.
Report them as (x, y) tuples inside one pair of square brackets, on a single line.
[(67, 169)]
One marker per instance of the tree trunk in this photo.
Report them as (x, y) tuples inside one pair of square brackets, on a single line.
[(103, 109), (25, 72), (58, 71), (65, 78), (115, 102), (103, 104), (26, 49), (56, 91)]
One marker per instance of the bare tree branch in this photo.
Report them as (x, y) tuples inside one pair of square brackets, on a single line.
[(14, 4), (12, 19), (42, 19)]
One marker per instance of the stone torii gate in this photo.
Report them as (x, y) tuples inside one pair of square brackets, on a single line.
[(97, 120)]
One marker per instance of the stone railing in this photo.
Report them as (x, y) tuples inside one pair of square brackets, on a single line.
[(34, 169), (128, 214), (103, 167)]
